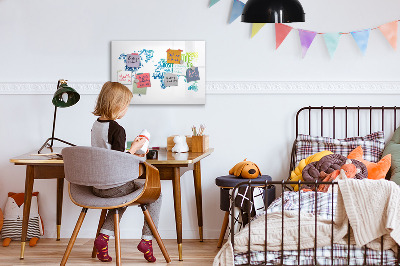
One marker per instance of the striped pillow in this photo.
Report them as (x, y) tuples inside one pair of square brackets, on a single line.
[(372, 145)]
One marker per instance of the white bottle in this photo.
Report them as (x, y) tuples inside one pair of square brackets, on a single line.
[(144, 134)]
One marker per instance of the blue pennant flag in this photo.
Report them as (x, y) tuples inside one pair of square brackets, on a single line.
[(237, 9), (361, 38), (332, 41), (213, 2)]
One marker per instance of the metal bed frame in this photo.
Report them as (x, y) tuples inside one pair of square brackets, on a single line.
[(283, 184)]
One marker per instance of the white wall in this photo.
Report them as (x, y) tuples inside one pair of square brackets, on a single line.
[(47, 40)]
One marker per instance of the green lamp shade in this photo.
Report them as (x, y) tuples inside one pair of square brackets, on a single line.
[(65, 96)]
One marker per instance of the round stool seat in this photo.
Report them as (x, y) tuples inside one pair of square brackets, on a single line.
[(230, 181)]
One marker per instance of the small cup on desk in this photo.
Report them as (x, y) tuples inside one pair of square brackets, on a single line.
[(152, 155)]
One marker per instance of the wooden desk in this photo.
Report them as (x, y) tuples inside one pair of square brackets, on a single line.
[(40, 167), (171, 167)]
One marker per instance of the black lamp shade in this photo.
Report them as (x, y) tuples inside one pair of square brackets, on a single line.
[(273, 11), (65, 96)]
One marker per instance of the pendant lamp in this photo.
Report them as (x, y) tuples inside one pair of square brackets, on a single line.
[(64, 96), (273, 11)]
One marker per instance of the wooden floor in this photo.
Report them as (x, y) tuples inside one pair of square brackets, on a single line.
[(50, 252)]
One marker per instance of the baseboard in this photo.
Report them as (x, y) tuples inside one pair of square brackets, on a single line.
[(231, 87)]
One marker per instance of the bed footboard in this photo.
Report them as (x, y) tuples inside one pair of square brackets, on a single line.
[(311, 259)]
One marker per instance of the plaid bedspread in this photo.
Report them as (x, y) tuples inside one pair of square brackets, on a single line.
[(307, 202)]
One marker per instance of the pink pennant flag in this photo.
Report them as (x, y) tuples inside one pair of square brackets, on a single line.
[(389, 30), (281, 31), (306, 39)]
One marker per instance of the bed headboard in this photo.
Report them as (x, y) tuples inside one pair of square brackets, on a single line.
[(344, 121)]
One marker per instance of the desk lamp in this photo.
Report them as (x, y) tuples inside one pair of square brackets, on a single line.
[(273, 11), (64, 96)]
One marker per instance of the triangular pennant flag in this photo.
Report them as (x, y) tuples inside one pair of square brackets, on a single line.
[(213, 2), (332, 41), (281, 31), (256, 27), (237, 9), (306, 39), (389, 30), (361, 37)]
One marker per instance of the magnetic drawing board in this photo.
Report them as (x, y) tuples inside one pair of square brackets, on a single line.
[(160, 72)]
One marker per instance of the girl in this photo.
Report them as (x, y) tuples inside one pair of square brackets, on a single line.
[(112, 104)]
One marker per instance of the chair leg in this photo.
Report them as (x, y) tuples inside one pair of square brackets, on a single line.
[(154, 230), (223, 229), (73, 237), (117, 239), (101, 222)]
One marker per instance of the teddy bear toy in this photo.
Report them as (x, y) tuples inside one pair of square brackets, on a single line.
[(13, 215), (180, 144), (245, 169)]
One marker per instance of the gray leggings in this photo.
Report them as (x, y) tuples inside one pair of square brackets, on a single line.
[(154, 208)]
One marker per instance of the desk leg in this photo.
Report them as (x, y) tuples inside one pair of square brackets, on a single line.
[(60, 190), (27, 206), (176, 182), (199, 204)]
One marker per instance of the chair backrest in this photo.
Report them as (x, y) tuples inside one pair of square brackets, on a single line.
[(92, 166)]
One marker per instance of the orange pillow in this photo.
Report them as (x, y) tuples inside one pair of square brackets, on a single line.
[(375, 170)]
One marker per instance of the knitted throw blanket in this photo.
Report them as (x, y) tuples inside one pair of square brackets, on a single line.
[(373, 209), (274, 235)]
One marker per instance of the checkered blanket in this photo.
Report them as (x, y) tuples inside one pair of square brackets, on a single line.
[(324, 206)]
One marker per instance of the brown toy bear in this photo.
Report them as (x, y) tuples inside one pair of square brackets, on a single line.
[(245, 169)]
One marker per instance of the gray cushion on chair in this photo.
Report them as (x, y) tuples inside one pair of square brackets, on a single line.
[(83, 196), (99, 167)]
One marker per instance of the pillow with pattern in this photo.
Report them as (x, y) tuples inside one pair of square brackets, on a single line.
[(372, 145)]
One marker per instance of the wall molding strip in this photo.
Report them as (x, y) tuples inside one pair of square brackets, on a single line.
[(232, 87)]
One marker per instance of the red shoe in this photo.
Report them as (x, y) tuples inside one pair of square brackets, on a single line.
[(101, 245), (146, 247)]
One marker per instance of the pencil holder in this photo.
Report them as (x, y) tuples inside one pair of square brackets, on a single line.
[(200, 143)]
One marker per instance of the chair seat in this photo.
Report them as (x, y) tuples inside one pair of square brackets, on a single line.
[(83, 196)]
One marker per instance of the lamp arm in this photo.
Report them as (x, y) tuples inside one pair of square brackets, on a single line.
[(54, 119), (54, 126)]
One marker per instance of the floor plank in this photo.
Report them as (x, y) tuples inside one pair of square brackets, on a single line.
[(50, 252)]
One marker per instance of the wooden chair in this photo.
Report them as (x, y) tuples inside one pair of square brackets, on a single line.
[(85, 167)]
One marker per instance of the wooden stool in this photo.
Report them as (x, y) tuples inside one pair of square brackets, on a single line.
[(226, 183)]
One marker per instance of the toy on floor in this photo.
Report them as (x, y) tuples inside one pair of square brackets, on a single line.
[(13, 215), (245, 169), (180, 144)]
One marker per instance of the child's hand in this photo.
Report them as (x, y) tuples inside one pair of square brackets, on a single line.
[(143, 155), (137, 144)]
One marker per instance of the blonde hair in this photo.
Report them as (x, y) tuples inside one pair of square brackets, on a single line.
[(112, 99)]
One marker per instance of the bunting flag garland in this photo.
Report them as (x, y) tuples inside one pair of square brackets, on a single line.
[(213, 2), (332, 41), (237, 9), (306, 39), (389, 30), (256, 27), (281, 31), (361, 38)]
